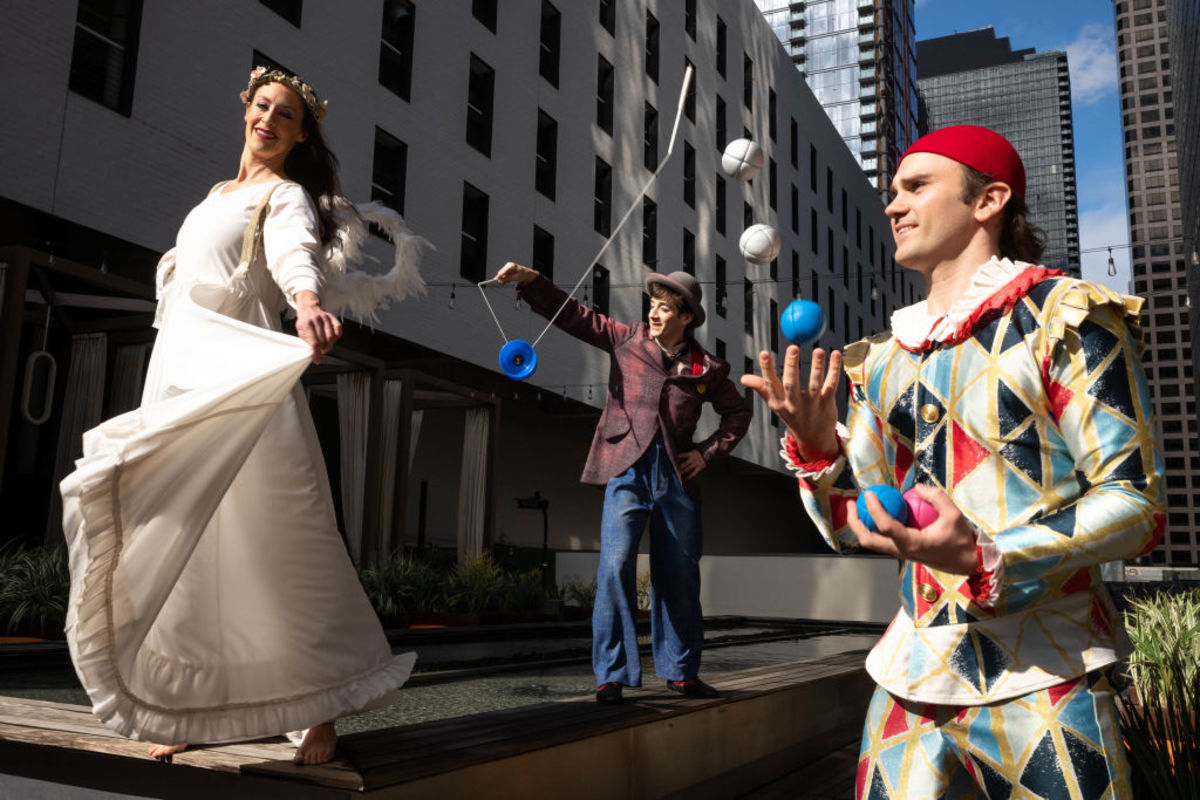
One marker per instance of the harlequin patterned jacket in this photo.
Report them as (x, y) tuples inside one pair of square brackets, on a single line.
[(1027, 404)]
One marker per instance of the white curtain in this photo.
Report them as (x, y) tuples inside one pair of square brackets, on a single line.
[(83, 403), (353, 400), (472, 485), (389, 430), (128, 375)]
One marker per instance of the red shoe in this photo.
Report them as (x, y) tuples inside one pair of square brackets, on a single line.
[(609, 694), (693, 687)]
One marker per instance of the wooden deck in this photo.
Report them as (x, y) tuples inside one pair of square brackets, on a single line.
[(770, 721)]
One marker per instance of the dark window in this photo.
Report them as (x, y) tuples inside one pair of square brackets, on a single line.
[(720, 206), (650, 137), (795, 274), (773, 184), (720, 126), (543, 252), (652, 47), (748, 393), (104, 56), (829, 307), (604, 95), (600, 289), (480, 94), (772, 125), (261, 59), (550, 37), (689, 18), (388, 170), (795, 209), (396, 46), (812, 221), (747, 82), (689, 100), (721, 49), (722, 291), (858, 228), (774, 325), (288, 9), (689, 174), (812, 166), (608, 15), (602, 202), (649, 232), (689, 252), (747, 215), (748, 306), (795, 145), (829, 248), (829, 188), (473, 257), (845, 212), (720, 349), (547, 154), (485, 12)]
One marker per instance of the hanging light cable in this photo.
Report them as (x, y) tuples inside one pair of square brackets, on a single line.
[(1112, 265)]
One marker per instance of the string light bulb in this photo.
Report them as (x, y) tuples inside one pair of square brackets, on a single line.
[(452, 295), (1112, 265), (874, 290)]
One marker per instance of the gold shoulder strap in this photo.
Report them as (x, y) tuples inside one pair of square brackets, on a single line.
[(252, 241)]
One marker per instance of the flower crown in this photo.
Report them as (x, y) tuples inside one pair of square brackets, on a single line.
[(261, 75)]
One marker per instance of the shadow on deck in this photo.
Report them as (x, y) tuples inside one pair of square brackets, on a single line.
[(770, 721)]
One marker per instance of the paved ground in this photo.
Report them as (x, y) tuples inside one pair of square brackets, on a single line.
[(830, 778)]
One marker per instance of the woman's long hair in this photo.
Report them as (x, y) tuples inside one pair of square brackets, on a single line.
[(1020, 239), (314, 166)]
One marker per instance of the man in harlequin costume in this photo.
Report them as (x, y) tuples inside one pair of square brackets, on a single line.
[(1014, 399), (643, 453)]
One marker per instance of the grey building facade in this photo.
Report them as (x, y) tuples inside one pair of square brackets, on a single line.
[(859, 58), (1160, 255), (976, 78)]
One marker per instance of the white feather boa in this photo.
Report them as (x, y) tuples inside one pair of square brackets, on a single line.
[(350, 290)]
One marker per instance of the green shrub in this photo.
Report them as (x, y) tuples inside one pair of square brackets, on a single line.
[(404, 585), (579, 592), (476, 585), (526, 593), (34, 586)]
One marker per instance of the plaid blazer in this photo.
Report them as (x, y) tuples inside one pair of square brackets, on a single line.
[(642, 398)]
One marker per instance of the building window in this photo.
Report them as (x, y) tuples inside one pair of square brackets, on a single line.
[(652, 47), (748, 369), (608, 16), (720, 125), (845, 212), (396, 47), (858, 228), (829, 248), (473, 256), (481, 87), (795, 145), (721, 47), (772, 184), (722, 297), (747, 82), (689, 18), (600, 289), (104, 56), (650, 137), (689, 100), (602, 200), (543, 252), (649, 232), (747, 306), (720, 205), (795, 274), (774, 317), (689, 174), (604, 95), (812, 166), (795, 210), (547, 154), (485, 12), (829, 188), (689, 252), (720, 348), (831, 309), (288, 9), (747, 215), (551, 35), (812, 221), (772, 126), (388, 170)]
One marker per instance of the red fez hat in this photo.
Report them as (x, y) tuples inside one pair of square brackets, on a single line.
[(978, 148)]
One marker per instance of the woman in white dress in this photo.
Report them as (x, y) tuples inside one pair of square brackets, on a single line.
[(212, 597)]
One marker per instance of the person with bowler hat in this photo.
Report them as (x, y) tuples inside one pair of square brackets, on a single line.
[(644, 455)]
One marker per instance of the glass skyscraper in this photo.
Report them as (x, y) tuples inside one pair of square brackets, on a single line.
[(974, 78), (859, 59)]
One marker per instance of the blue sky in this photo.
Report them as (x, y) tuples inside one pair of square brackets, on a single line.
[(1084, 29)]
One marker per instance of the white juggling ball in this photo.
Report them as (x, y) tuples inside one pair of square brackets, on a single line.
[(742, 159), (759, 244)]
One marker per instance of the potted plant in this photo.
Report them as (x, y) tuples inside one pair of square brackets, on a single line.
[(1159, 723), (34, 586)]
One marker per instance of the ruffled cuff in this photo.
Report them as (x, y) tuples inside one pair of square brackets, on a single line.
[(988, 576), (812, 470)]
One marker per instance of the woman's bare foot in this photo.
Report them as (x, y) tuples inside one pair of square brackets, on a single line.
[(163, 752), (318, 745)]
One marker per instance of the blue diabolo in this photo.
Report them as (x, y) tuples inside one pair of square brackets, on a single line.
[(518, 359), (892, 501), (803, 322)]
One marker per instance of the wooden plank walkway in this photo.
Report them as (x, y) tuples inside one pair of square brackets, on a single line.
[(657, 744)]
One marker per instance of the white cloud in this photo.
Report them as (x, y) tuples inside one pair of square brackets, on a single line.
[(1092, 58), (1100, 228)]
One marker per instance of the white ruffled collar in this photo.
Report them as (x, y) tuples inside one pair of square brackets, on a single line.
[(913, 326)]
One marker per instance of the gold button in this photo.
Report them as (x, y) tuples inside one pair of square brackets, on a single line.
[(927, 592), (930, 413)]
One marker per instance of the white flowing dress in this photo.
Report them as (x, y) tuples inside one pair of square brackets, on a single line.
[(212, 598)]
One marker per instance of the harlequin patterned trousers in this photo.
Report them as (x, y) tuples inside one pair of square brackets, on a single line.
[(1060, 743)]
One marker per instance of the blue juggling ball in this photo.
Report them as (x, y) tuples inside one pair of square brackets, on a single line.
[(803, 322), (892, 501), (518, 359)]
